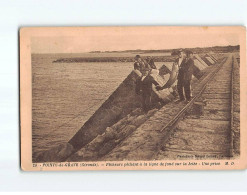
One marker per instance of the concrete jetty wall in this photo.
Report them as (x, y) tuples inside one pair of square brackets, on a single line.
[(196, 56), (213, 58), (122, 105), (122, 101), (205, 59), (119, 105)]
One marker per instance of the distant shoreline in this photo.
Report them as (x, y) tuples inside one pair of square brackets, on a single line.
[(128, 55), (216, 49), (112, 59)]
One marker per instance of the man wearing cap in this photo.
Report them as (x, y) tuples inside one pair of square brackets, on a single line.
[(184, 77), (140, 64)]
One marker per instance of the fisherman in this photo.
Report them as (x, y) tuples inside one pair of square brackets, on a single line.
[(181, 56), (184, 77), (173, 73), (140, 64), (150, 61), (144, 86)]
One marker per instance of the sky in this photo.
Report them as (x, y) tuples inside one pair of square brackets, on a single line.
[(118, 40)]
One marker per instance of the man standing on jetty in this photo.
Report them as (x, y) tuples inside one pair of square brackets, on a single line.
[(144, 86), (184, 77), (181, 56)]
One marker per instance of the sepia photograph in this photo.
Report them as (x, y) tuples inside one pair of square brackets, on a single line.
[(123, 96), (134, 98)]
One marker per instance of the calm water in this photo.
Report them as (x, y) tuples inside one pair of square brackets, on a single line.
[(65, 95)]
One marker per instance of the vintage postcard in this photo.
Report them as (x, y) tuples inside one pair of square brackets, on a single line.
[(133, 98)]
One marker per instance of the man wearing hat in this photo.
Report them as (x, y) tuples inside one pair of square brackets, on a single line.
[(140, 64), (184, 77), (180, 58)]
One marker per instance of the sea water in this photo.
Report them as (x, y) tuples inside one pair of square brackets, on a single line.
[(65, 95)]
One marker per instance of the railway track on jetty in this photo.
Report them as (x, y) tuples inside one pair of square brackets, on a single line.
[(210, 134), (206, 127)]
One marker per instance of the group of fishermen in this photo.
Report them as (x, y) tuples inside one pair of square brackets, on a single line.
[(185, 65)]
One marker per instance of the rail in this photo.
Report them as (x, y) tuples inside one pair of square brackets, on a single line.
[(169, 127), (189, 104)]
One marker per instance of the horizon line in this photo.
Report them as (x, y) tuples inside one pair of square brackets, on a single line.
[(109, 51)]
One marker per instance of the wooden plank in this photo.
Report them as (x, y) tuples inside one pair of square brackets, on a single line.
[(216, 115), (196, 151), (217, 106), (216, 96), (213, 124), (188, 128)]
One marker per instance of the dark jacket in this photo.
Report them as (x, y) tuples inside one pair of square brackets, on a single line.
[(145, 85), (186, 70)]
